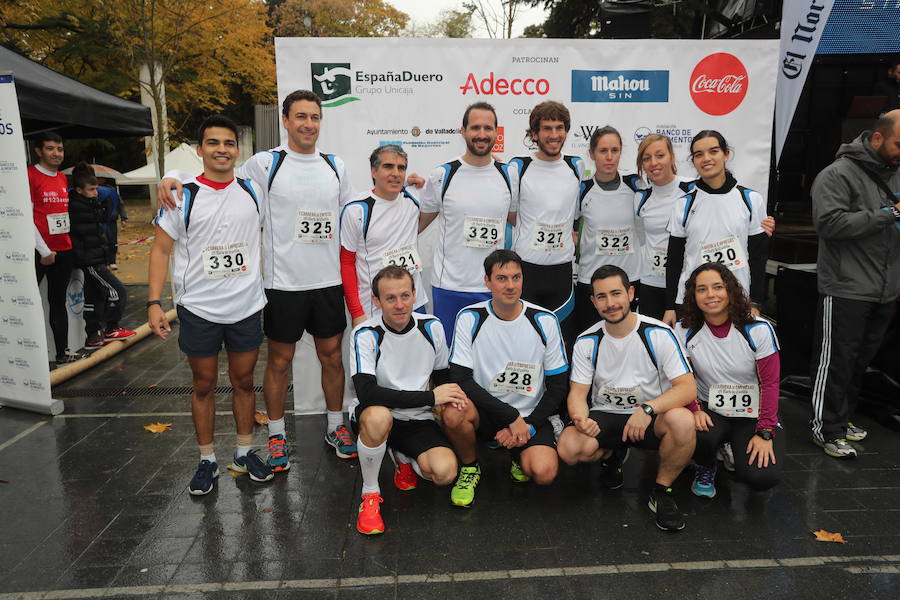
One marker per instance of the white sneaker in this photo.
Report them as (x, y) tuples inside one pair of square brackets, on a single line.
[(726, 455), (856, 434)]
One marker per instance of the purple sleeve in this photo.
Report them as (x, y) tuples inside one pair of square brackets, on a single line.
[(769, 369)]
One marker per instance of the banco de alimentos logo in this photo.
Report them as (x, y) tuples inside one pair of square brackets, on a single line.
[(333, 83)]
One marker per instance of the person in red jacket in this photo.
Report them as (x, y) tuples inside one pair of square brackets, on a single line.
[(50, 201)]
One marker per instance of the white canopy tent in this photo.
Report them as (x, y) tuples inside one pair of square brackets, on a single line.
[(183, 158)]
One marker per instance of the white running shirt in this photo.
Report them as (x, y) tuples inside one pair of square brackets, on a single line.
[(716, 227), (473, 204), (621, 370), (216, 269), (548, 200), (653, 207), (611, 232), (382, 232), (505, 354), (401, 361)]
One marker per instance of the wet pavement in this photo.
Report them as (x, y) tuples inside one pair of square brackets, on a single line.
[(97, 507)]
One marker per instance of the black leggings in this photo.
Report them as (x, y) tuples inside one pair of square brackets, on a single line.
[(58, 275), (653, 301), (550, 286), (738, 431)]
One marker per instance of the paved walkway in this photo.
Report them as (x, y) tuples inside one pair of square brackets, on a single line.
[(97, 507)]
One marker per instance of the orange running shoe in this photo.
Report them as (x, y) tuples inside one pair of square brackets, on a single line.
[(404, 477), (369, 520)]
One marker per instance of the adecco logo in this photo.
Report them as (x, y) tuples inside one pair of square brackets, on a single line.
[(500, 143), (491, 85), (719, 83)]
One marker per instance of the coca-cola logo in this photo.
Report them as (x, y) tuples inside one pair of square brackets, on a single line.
[(719, 83)]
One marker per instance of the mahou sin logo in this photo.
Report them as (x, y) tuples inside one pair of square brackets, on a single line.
[(719, 83)]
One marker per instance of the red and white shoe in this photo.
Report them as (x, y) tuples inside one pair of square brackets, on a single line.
[(117, 334)]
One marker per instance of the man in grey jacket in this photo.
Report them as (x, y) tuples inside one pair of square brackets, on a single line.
[(856, 211)]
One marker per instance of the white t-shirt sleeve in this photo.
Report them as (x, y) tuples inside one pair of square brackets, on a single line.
[(757, 213), (582, 363), (39, 244), (364, 350), (431, 196), (172, 220), (256, 168), (681, 336), (461, 354), (554, 354), (763, 336), (351, 228), (675, 227), (441, 352), (670, 355), (348, 192)]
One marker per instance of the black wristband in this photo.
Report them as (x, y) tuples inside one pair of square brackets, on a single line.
[(152, 302)]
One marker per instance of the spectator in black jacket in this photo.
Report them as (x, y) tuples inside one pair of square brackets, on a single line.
[(890, 86), (104, 294)]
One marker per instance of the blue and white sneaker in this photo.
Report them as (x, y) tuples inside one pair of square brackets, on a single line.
[(253, 466), (704, 482), (202, 482), (342, 442)]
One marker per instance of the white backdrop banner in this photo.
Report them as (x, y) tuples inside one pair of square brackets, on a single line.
[(24, 371), (413, 92), (802, 24)]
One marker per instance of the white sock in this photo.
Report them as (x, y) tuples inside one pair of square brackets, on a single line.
[(276, 427), (241, 451), (210, 457), (370, 465), (335, 420)]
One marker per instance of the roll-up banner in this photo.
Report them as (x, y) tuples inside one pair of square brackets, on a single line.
[(413, 92), (24, 370)]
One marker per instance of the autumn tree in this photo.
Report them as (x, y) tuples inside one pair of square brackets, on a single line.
[(338, 18), (199, 53)]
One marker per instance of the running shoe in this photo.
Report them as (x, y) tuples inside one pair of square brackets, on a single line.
[(111, 335), (70, 357), (463, 491), (668, 517), (94, 342), (855, 434), (253, 466), (202, 482), (704, 481), (342, 442), (611, 476), (726, 455), (839, 448), (369, 520), (278, 454), (517, 474), (404, 477)]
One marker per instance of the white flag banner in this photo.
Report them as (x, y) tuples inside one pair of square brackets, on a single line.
[(413, 92), (802, 23), (24, 370)]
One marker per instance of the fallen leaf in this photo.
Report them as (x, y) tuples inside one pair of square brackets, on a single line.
[(645, 553), (827, 536), (158, 427), (144, 570), (129, 277), (261, 417), (267, 510), (4, 480), (152, 385)]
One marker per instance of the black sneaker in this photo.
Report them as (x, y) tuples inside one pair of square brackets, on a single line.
[(202, 482), (668, 517), (611, 477)]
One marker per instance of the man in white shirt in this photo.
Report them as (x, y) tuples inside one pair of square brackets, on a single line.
[(301, 269), (214, 233), (472, 198), (640, 385)]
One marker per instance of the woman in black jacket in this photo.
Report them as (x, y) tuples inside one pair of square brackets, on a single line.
[(104, 294)]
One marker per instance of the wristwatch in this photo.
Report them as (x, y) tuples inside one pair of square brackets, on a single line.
[(648, 410), (766, 434)]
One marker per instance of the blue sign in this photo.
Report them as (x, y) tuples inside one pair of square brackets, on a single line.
[(862, 27), (620, 86)]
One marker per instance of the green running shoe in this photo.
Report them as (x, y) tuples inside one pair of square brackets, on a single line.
[(517, 474), (463, 491)]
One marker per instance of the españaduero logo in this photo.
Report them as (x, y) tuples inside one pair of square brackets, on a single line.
[(620, 86), (333, 83)]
